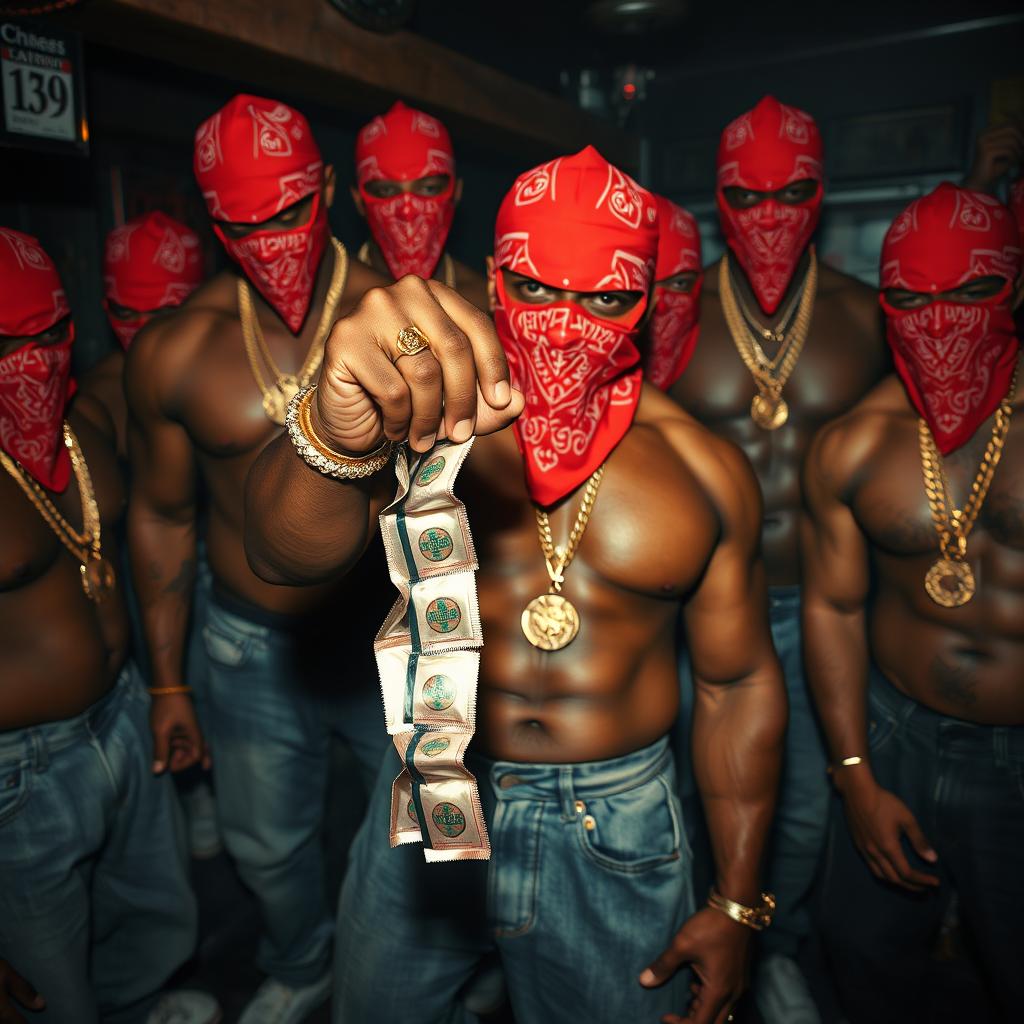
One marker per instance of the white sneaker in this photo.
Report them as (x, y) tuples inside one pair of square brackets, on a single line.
[(185, 1006), (203, 828), (781, 992), (275, 1003)]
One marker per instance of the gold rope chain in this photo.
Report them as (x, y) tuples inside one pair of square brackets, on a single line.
[(85, 545), (277, 394), (772, 334), (558, 558), (770, 375), (951, 522), (447, 265)]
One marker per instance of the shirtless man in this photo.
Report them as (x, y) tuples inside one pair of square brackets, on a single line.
[(769, 200), (674, 326), (915, 640), (151, 265), (206, 389), (95, 904), (590, 904), (407, 191)]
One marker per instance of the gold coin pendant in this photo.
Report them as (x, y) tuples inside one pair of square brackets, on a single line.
[(98, 578), (949, 583), (767, 412), (550, 622)]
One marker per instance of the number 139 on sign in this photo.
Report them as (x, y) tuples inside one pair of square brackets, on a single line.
[(38, 100)]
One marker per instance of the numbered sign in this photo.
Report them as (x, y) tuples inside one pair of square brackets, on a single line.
[(41, 84)]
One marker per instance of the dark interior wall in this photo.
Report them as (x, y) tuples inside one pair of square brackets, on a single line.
[(142, 117)]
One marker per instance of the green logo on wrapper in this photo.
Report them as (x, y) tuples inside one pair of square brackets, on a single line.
[(431, 470), (434, 747), (436, 544), (450, 821), (443, 615), (411, 811), (439, 693)]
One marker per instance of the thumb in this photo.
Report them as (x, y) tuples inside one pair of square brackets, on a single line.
[(917, 839), (666, 965)]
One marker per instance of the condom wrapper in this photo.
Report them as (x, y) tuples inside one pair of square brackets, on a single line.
[(428, 657)]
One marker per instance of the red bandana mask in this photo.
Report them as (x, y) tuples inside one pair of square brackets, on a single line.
[(35, 380), (580, 224), (151, 263), (674, 327), (253, 159), (956, 359), (405, 145), (766, 149)]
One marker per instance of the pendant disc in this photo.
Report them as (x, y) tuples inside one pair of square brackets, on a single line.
[(550, 622), (769, 413), (950, 583), (98, 579)]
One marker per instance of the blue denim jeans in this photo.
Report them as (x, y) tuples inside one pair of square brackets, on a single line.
[(95, 903), (575, 913), (964, 783), (271, 714), (801, 815)]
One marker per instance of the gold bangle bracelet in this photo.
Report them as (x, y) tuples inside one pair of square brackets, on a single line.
[(846, 762), (160, 691), (321, 456), (757, 918)]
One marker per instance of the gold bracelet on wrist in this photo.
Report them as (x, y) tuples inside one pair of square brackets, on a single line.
[(846, 762), (758, 917), (160, 691), (321, 456)]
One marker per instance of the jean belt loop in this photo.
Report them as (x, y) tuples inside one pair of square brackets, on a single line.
[(40, 751), (1001, 746), (566, 792)]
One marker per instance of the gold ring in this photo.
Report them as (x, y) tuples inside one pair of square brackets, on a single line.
[(411, 340)]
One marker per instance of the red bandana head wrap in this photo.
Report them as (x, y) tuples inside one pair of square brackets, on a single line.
[(674, 327), (956, 359), (764, 150), (35, 380), (151, 263), (405, 145), (253, 159), (579, 224)]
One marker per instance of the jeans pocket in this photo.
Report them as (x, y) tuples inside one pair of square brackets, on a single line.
[(632, 831), (224, 648), (15, 786), (881, 727)]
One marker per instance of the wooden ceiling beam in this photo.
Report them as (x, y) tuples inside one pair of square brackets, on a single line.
[(308, 48)]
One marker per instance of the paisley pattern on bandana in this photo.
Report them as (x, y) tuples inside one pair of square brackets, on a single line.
[(674, 323), (764, 150), (956, 359), (405, 145), (150, 263), (575, 223)]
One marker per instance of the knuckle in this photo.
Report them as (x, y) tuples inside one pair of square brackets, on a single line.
[(393, 392), (424, 371), (375, 301), (452, 339)]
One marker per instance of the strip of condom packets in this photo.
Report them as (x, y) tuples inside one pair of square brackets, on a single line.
[(428, 657)]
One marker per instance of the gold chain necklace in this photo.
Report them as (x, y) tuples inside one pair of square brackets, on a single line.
[(769, 409), (950, 581), (447, 265), (551, 621), (96, 571), (280, 392)]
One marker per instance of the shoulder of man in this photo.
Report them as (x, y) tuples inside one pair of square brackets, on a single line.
[(720, 468), (844, 448)]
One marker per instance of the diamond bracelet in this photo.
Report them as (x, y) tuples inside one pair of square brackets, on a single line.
[(323, 458)]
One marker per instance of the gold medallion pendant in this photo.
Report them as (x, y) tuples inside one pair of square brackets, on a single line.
[(950, 583), (767, 412), (98, 578), (550, 622)]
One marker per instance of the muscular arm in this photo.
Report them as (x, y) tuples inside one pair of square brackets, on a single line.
[(162, 509), (740, 705), (836, 581)]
